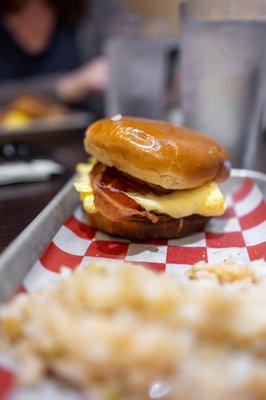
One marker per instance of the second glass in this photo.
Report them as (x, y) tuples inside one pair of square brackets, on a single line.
[(137, 76)]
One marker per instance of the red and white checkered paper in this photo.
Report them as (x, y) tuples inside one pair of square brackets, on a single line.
[(238, 236)]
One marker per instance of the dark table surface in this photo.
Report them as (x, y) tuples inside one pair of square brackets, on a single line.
[(21, 203)]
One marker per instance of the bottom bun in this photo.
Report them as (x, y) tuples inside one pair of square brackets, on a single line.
[(142, 228)]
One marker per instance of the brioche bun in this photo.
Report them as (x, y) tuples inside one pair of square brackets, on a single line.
[(143, 229), (157, 152)]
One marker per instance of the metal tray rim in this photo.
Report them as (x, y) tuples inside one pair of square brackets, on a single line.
[(248, 173), (32, 241)]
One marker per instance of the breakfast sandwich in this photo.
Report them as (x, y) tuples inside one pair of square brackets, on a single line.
[(150, 179)]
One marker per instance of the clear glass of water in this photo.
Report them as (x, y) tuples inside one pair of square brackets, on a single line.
[(222, 47), (137, 76)]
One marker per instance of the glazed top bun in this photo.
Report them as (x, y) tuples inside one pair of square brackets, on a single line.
[(158, 152)]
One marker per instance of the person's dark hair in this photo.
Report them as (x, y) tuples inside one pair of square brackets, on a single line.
[(69, 11)]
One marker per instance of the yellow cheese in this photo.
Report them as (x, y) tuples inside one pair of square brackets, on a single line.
[(83, 169), (88, 204), (83, 186), (206, 200)]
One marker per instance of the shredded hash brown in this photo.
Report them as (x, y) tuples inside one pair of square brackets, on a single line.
[(113, 330)]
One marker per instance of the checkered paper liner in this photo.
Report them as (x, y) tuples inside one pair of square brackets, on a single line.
[(238, 236)]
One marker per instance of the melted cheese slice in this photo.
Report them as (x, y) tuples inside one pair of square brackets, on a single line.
[(83, 186), (206, 200)]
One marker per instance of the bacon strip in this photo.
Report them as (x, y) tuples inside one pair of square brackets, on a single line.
[(109, 187)]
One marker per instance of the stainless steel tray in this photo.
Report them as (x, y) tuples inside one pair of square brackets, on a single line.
[(72, 122), (20, 256)]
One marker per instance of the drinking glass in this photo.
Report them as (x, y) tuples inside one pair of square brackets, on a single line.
[(222, 48), (137, 76)]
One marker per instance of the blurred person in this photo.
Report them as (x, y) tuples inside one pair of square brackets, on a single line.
[(54, 47)]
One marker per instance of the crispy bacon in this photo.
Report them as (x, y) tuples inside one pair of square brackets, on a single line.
[(142, 187), (126, 183), (109, 188)]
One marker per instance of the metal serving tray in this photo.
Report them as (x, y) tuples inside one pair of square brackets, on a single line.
[(21, 255), (72, 122)]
